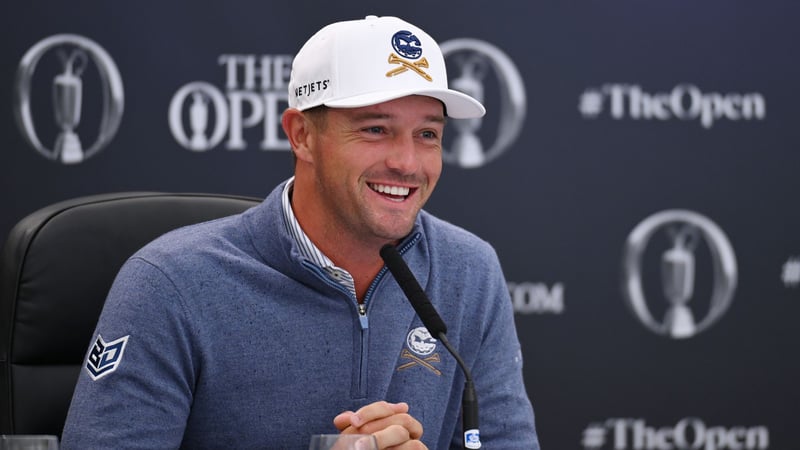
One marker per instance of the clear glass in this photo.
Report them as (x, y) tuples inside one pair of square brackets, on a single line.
[(343, 442), (28, 442)]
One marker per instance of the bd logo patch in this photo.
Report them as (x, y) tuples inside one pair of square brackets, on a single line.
[(105, 357)]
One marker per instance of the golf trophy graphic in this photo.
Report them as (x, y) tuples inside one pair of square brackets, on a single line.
[(677, 276), (466, 144), (67, 103)]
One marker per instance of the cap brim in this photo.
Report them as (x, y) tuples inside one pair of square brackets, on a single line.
[(458, 105)]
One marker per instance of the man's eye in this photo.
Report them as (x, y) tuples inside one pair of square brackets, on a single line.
[(374, 130), (429, 134)]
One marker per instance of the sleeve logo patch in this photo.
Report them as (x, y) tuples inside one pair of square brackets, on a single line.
[(105, 357)]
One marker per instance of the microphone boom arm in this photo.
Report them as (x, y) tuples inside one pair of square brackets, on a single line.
[(436, 326)]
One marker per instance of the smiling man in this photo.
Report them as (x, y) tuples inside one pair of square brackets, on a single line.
[(362, 175), (260, 329)]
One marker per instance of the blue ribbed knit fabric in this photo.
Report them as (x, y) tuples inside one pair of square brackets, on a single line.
[(235, 341)]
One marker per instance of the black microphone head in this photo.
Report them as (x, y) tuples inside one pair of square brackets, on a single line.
[(416, 296)]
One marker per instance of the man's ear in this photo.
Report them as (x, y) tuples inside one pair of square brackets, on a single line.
[(298, 129)]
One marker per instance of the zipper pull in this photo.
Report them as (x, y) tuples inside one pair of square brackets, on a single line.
[(362, 316)]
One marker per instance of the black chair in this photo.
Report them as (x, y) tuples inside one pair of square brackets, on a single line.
[(57, 266)]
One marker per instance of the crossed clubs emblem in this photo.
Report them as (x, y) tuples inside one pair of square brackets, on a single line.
[(408, 65), (422, 362)]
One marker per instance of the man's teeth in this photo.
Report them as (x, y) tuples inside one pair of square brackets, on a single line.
[(391, 190)]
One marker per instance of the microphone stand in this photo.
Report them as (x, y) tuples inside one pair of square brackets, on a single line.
[(469, 400), (436, 326)]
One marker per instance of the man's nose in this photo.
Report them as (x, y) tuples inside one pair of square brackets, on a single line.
[(402, 157)]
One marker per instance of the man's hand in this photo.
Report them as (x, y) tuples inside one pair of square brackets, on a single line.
[(390, 423)]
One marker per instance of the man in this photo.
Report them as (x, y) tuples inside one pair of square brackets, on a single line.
[(260, 329)]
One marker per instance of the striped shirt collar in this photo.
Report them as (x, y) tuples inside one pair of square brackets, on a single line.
[(307, 248)]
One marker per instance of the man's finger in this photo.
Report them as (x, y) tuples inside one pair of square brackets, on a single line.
[(375, 411)]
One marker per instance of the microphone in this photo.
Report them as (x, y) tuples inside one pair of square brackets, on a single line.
[(435, 325)]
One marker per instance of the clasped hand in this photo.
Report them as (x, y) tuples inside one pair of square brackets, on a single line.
[(391, 424)]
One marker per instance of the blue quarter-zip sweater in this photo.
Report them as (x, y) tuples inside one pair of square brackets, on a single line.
[(221, 335)]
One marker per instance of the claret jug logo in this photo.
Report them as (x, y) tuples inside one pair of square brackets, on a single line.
[(471, 64), (201, 115), (77, 56), (683, 234)]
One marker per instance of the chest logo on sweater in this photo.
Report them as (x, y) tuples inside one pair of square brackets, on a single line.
[(104, 357), (419, 351)]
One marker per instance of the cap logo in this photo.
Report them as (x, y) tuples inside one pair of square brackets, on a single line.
[(407, 46)]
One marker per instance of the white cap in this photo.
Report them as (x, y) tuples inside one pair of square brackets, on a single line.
[(365, 62)]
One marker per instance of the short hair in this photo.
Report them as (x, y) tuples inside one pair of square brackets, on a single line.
[(318, 116)]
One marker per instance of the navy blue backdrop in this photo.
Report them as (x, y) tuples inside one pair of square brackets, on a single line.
[(637, 172)]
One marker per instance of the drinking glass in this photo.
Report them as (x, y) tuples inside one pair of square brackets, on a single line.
[(28, 442), (343, 442)]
